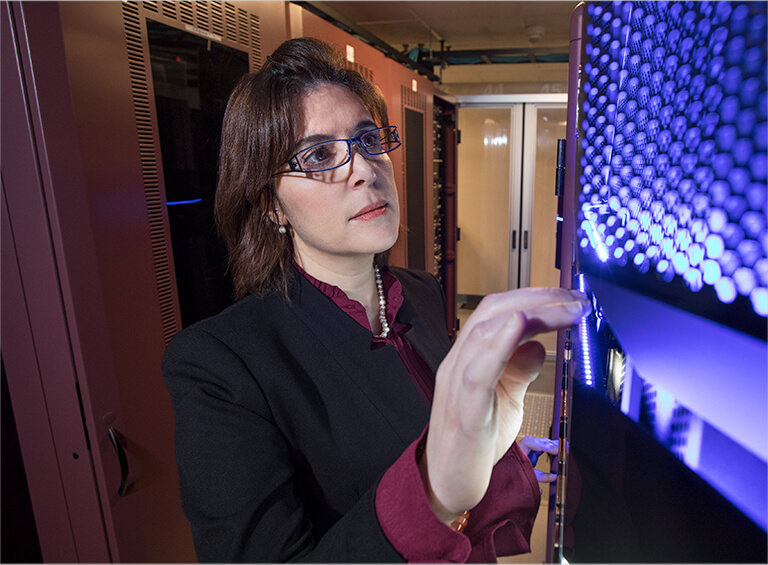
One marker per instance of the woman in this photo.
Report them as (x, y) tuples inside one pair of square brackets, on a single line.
[(325, 416)]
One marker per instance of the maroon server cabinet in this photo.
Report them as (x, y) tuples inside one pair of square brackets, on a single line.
[(89, 296)]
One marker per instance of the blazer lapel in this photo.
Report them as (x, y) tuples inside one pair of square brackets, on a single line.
[(379, 374), (428, 334), (430, 350)]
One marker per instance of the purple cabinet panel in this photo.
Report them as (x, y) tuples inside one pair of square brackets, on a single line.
[(79, 349)]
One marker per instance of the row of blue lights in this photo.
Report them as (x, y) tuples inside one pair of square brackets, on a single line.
[(586, 349), (674, 143)]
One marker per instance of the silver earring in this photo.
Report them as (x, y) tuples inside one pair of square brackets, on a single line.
[(282, 229)]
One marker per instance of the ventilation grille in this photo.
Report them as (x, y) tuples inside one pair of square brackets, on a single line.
[(415, 100), (221, 19), (679, 431), (363, 70), (648, 406), (149, 168), (169, 9), (218, 18)]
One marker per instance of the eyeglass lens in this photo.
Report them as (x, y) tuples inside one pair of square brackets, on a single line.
[(335, 153)]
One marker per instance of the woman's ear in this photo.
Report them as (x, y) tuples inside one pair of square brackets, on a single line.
[(277, 216), (270, 208)]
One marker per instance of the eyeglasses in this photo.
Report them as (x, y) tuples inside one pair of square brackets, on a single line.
[(335, 153)]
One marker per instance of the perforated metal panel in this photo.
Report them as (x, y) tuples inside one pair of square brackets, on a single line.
[(363, 70), (413, 99), (219, 21)]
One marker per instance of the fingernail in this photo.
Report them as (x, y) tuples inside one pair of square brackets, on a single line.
[(580, 295), (578, 308)]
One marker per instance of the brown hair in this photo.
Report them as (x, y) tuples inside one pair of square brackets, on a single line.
[(260, 130)]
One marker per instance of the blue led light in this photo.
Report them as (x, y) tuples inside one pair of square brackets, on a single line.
[(753, 58), (703, 178), (729, 262), (745, 280), (680, 262), (750, 252), (756, 196), (761, 268), (595, 239), (665, 270), (746, 122), (726, 290), (693, 279), (733, 234), (642, 264), (759, 298), (183, 202), (758, 166), (712, 272), (715, 246), (735, 206), (754, 224)]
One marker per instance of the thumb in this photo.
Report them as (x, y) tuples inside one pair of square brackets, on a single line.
[(523, 368)]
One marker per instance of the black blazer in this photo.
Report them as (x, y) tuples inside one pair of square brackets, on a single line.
[(286, 418)]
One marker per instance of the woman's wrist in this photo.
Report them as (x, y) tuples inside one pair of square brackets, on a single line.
[(456, 521)]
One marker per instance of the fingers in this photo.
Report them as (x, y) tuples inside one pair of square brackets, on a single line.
[(548, 317), (543, 477), (521, 370), (526, 362), (483, 358), (545, 309), (478, 403), (538, 445), (464, 422), (530, 443), (527, 298)]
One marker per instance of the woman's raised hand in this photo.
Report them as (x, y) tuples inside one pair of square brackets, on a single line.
[(477, 409)]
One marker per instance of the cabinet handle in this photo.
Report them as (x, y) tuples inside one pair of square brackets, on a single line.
[(113, 437), (525, 239)]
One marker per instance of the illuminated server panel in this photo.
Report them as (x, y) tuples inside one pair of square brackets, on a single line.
[(671, 233), (674, 122)]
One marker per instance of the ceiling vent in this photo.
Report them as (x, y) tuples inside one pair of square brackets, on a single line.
[(534, 33)]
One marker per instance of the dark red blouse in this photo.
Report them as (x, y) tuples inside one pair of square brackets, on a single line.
[(503, 521)]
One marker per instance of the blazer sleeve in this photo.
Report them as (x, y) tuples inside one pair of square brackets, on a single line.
[(236, 473)]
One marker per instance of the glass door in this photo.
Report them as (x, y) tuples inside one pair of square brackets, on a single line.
[(507, 208), (489, 161), (544, 125)]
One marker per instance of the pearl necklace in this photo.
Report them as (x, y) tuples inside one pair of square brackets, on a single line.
[(382, 304)]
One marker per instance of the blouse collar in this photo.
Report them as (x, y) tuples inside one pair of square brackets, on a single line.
[(392, 289)]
